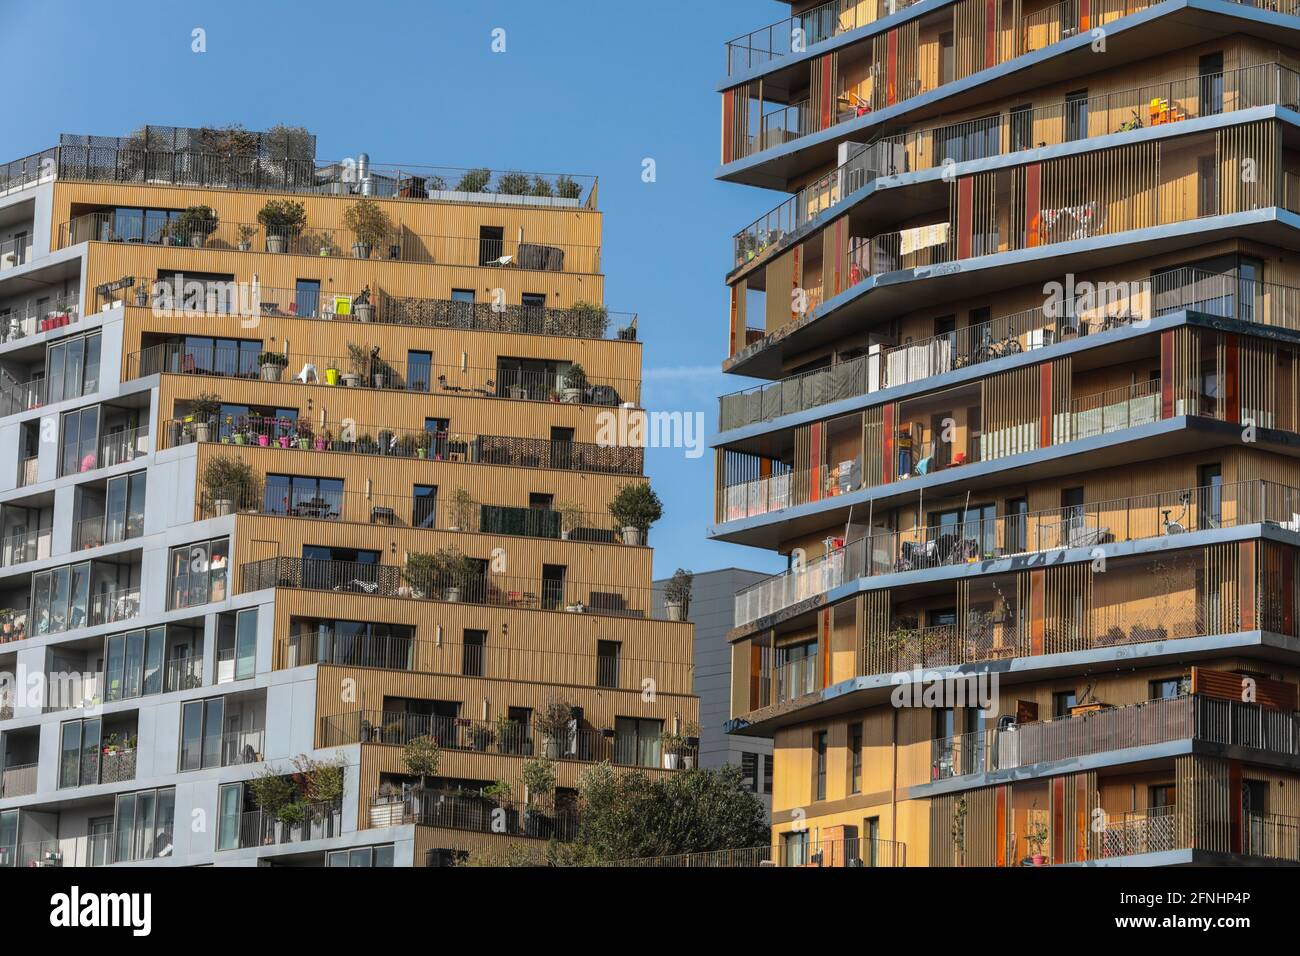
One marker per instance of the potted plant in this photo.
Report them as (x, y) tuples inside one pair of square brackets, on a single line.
[(304, 435), (420, 758), (197, 223), (538, 776), (462, 510), (204, 409), (423, 442), (677, 594), (273, 365), (362, 307), (553, 723), (331, 375), (369, 225), (570, 518), (509, 736), (1036, 837), (228, 481), (446, 570), (245, 233), (323, 441), (674, 745), (589, 319), (481, 737), (575, 384), (635, 508), (283, 219), (360, 365), (691, 733)]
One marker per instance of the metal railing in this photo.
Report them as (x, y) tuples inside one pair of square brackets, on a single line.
[(230, 362), (496, 590), (481, 814), (119, 604), (1224, 295), (1140, 831), (581, 320), (34, 318), (320, 821), (204, 170), (381, 440), (22, 546), (814, 852), (117, 767), (1225, 722), (28, 470), (496, 662), (15, 252), (794, 35), (96, 530), (399, 246), (184, 673), (240, 747), (28, 171), (18, 781), (1137, 517), (36, 853), (359, 507)]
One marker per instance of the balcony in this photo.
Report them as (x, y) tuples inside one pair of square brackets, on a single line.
[(580, 321), (495, 590), (172, 165), (36, 853), (371, 372), (478, 814), (321, 821), (1224, 295), (1193, 717), (18, 781), (21, 173), (410, 444), (23, 546), (400, 246), (1268, 84), (457, 514), (490, 661), (969, 543), (15, 252), (813, 852), (795, 34), (32, 318), (504, 738)]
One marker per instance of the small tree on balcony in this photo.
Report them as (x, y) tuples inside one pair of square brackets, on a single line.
[(474, 181), (227, 478), (369, 225), (283, 217), (421, 757)]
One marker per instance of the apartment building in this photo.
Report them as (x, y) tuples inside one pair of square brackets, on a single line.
[(301, 464), (1028, 330)]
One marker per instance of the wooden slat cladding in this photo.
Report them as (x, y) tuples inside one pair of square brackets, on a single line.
[(878, 655), (1114, 191), (1068, 592), (1220, 595), (1227, 685), (1278, 588), (1206, 804), (736, 143), (964, 828), (874, 459), (896, 63), (1010, 403), (1249, 158), (1258, 364), (976, 24)]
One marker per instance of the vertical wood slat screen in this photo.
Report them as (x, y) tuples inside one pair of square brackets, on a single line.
[(873, 445), (1010, 409), (1219, 593), (1179, 377), (974, 37), (1278, 589), (877, 656), (895, 65), (1258, 362), (979, 830), (1203, 808), (1067, 624), (736, 142), (1248, 161), (1098, 193)]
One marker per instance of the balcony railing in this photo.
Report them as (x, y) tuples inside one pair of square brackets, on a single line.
[(34, 318), (117, 767), (793, 35), (202, 170), (229, 362), (1219, 294), (1225, 722), (503, 737), (18, 781), (496, 590), (359, 507), (22, 546), (36, 853), (1140, 831), (239, 747), (491, 661), (15, 252), (184, 673), (399, 246), (456, 447), (321, 821), (1137, 517), (584, 321), (430, 808), (28, 171), (849, 852)]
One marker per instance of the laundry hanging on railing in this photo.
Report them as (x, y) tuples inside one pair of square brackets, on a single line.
[(922, 237)]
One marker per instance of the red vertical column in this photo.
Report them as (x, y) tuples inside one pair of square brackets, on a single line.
[(815, 462), (965, 216), (1234, 806), (991, 32), (1167, 374), (891, 68), (887, 428), (1033, 200), (1058, 820), (1045, 405)]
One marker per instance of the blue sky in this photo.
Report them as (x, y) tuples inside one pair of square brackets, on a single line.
[(587, 86)]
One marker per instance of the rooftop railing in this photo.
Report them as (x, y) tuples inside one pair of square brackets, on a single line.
[(452, 447), (357, 507), (492, 661), (376, 373), (976, 539), (1191, 97), (1224, 295), (1225, 722), (399, 246), (496, 590), (21, 173)]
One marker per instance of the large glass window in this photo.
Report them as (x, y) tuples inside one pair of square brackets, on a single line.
[(61, 599), (230, 804), (144, 824), (72, 367), (303, 497), (134, 663), (198, 573), (79, 746), (236, 646), (205, 355), (637, 741), (419, 371), (80, 441), (124, 508), (201, 729), (362, 856)]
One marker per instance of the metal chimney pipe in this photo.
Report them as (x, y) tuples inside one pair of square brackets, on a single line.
[(363, 174)]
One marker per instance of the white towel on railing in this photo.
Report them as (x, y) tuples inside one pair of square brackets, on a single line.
[(922, 237)]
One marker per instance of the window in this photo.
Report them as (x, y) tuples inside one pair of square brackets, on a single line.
[(79, 450), (359, 643), (534, 312), (123, 517), (1210, 507), (855, 758), (230, 805), (419, 371), (794, 848), (1211, 73), (462, 308), (134, 663), (364, 856), (869, 854), (553, 585), (236, 646), (424, 506), (306, 298), (637, 741), (201, 735), (72, 368), (473, 652), (79, 746), (198, 573), (1063, 702), (61, 598), (1022, 127), (491, 243), (1076, 115), (204, 355), (749, 772), (607, 653), (1166, 689), (819, 767), (1017, 525), (1162, 795), (767, 773), (143, 825), (303, 497)]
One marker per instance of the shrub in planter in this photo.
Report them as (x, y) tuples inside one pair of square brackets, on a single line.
[(677, 594), (228, 482), (589, 319), (474, 181), (513, 184), (196, 224), (246, 234), (575, 383), (272, 364), (567, 188), (570, 518), (283, 220), (635, 508), (538, 775), (542, 188), (444, 572), (462, 511), (553, 724), (204, 409), (369, 225)]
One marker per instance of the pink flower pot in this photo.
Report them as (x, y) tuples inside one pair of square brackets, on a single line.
[(264, 440), (284, 441)]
